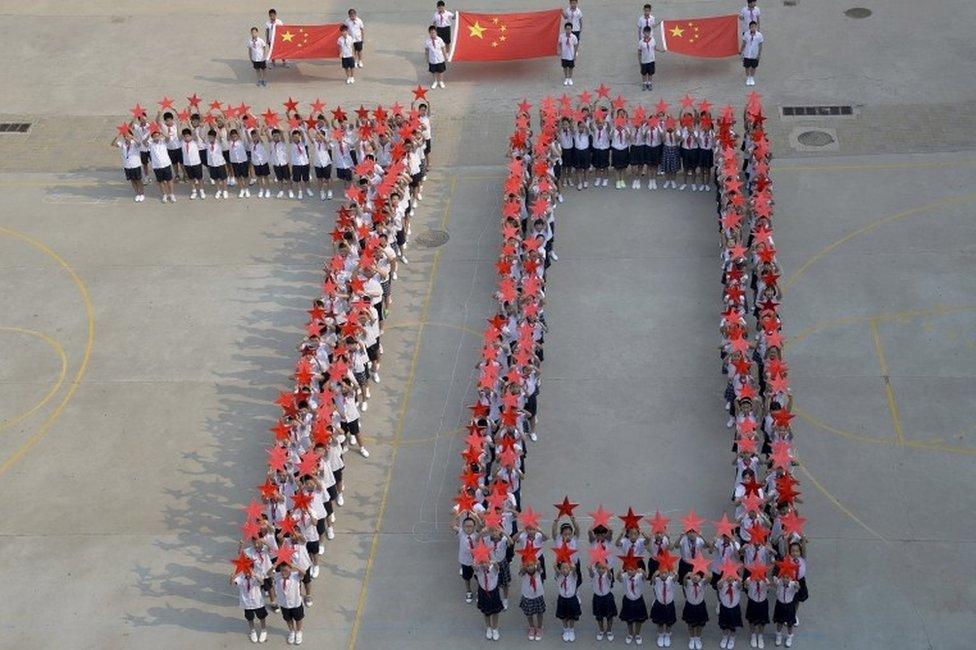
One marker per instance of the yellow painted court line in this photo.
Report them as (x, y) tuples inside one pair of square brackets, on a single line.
[(840, 506), (398, 430), (89, 344), (889, 391), (882, 317), (870, 167), (962, 198), (55, 345)]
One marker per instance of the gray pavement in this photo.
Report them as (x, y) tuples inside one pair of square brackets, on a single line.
[(142, 346)]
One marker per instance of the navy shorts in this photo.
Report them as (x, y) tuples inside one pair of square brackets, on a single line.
[(262, 170), (647, 68), (281, 172), (293, 613), (344, 174), (323, 173), (133, 173), (241, 169), (299, 173), (569, 64), (194, 172), (348, 63), (164, 173), (175, 156), (750, 63)]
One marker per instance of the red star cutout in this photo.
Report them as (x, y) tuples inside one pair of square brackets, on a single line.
[(290, 105), (268, 489), (687, 101), (564, 554), (529, 518), (691, 522), (601, 517), (301, 500), (194, 100), (786, 568), (242, 564), (565, 508), (666, 560), (598, 554), (481, 553), (757, 570), (793, 523), (277, 457), (137, 110), (723, 526), (603, 92), (286, 552), (630, 519), (659, 523), (730, 568), (758, 533), (700, 564), (529, 553), (631, 560)]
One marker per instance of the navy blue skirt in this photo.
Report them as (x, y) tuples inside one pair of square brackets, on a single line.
[(785, 613), (729, 618), (604, 606), (695, 615), (489, 602), (568, 608), (757, 613), (662, 614), (633, 611)]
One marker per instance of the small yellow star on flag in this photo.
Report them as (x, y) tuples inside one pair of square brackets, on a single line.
[(287, 36), (677, 31), (477, 30)]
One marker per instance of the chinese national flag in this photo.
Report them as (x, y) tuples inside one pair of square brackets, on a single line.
[(716, 36), (505, 37), (305, 42)]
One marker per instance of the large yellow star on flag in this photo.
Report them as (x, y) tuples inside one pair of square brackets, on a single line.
[(287, 36), (477, 30), (677, 31)]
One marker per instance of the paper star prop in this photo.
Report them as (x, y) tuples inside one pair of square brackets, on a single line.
[(165, 103), (630, 560), (700, 564), (630, 519), (619, 102), (301, 500), (704, 106), (666, 560), (268, 489), (565, 508), (786, 489), (277, 457), (601, 517), (287, 524), (465, 502), (564, 554), (339, 115), (215, 105), (659, 523), (253, 510), (758, 533), (603, 92), (751, 486), (691, 522), (290, 104), (137, 110), (793, 523), (585, 97), (242, 564), (493, 519), (781, 454), (786, 568), (250, 529), (123, 128), (723, 526), (270, 118), (661, 107), (757, 570), (529, 553), (317, 106), (730, 568), (782, 417), (687, 101), (529, 518), (286, 553), (194, 100), (598, 554), (752, 502)]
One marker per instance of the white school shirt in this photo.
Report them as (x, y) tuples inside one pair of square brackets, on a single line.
[(499, 547), (574, 16), (345, 46), (601, 136), (249, 591), (172, 134), (259, 153), (269, 29), (620, 137), (694, 592), (443, 18), (350, 409), (141, 133), (159, 154), (522, 541), (655, 136), (659, 545), (706, 139), (567, 46), (532, 586), (724, 548), (729, 593), (238, 151), (689, 138), (320, 153), (689, 550), (601, 583), (757, 590), (298, 154), (200, 133), (262, 561), (289, 590), (639, 546), (786, 590), (633, 585), (487, 577), (566, 139), (435, 49), (645, 46), (750, 44), (215, 154), (191, 153), (279, 153), (355, 26), (130, 154), (414, 161), (581, 139), (747, 15), (642, 22), (566, 584), (466, 544), (664, 589), (257, 46), (341, 155)]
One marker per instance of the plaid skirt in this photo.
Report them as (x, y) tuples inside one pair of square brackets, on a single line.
[(671, 160), (530, 606)]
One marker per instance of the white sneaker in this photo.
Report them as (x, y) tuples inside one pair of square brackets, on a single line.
[(300, 195), (599, 636), (263, 636), (639, 640), (213, 182), (555, 258), (660, 640), (247, 193), (609, 636), (570, 82), (281, 194), (165, 198), (533, 437), (694, 187), (629, 640), (731, 643), (652, 184), (724, 643), (789, 637), (559, 197), (779, 639), (232, 182), (364, 452), (683, 186), (572, 634), (565, 83), (636, 184), (752, 640), (298, 637), (691, 643), (365, 407), (352, 80), (467, 597), (605, 181), (504, 603), (193, 195), (225, 194), (329, 534), (340, 500), (203, 194), (586, 184), (328, 195), (442, 85), (760, 641), (322, 194), (291, 636), (565, 631), (291, 194), (667, 639), (253, 636), (347, 80), (494, 634), (376, 377), (240, 194), (314, 571), (488, 633), (698, 644)]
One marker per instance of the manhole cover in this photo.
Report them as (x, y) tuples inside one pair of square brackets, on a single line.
[(432, 238), (815, 138), (857, 12)]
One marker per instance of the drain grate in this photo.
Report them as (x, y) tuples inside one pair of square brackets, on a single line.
[(858, 12), (818, 111), (14, 127), (432, 238), (815, 138)]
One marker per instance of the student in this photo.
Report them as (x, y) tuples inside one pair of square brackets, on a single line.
[(633, 609), (500, 544), (689, 152), (252, 602), (347, 53), (748, 14), (621, 138), (729, 612), (757, 608), (802, 594), (645, 21), (131, 162), (423, 116), (269, 32), (162, 167), (671, 153), (322, 161), (574, 16), (436, 49), (751, 49), (288, 593), (604, 604), (298, 158), (443, 21), (568, 608), (646, 48), (192, 163), (567, 154), (260, 159), (240, 165), (216, 164), (663, 613), (357, 30), (784, 612), (600, 133), (257, 48), (349, 411), (533, 602), (706, 151), (467, 536), (342, 159), (279, 162), (141, 128), (581, 154), (200, 131), (171, 131), (568, 47), (489, 602), (695, 613)]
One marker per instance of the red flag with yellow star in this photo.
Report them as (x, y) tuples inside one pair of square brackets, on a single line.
[(714, 37), (305, 42), (506, 37)]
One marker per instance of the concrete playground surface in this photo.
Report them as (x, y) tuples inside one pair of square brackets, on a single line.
[(143, 345)]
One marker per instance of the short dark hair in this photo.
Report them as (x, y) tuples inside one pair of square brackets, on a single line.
[(343, 28), (272, 11), (752, 22), (648, 5), (432, 28), (167, 115), (254, 29), (440, 3), (186, 132), (212, 133), (570, 25)]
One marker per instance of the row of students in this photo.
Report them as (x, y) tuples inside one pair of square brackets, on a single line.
[(298, 159), (285, 532), (636, 148)]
